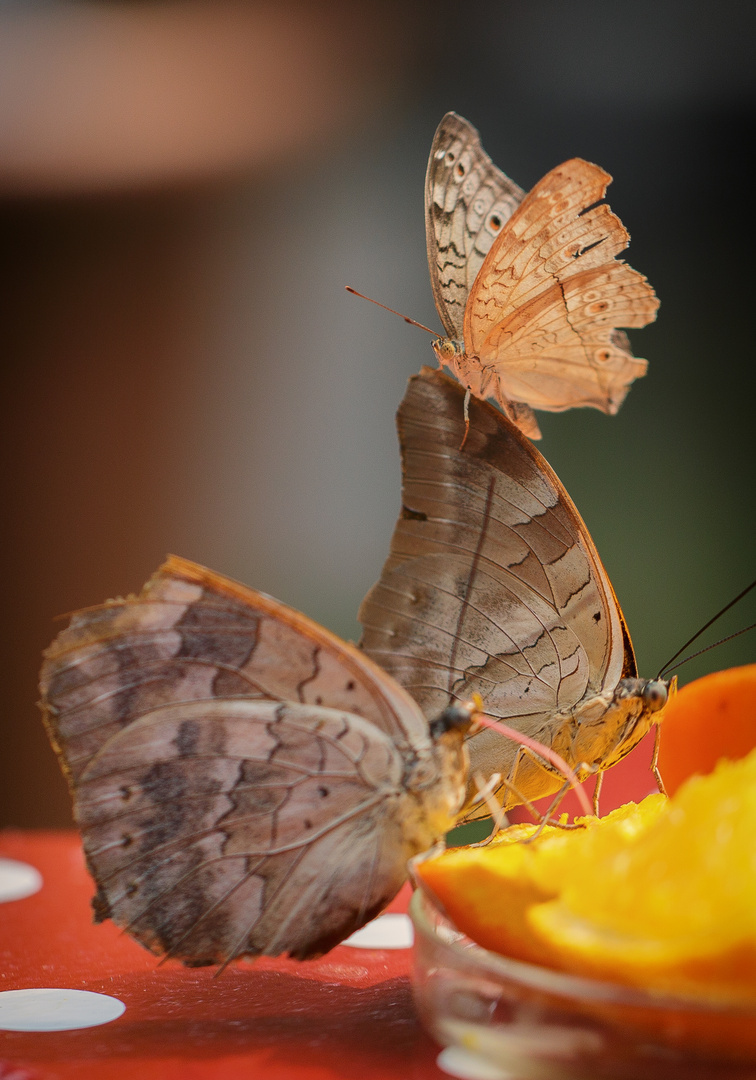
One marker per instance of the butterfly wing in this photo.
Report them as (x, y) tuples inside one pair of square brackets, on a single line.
[(192, 635), (543, 315), (492, 585), (244, 781), (467, 202), (238, 827)]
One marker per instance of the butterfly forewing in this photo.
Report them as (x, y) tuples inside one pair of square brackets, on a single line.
[(467, 202), (244, 781), (492, 584)]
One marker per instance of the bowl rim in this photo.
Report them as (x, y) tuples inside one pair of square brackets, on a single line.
[(549, 980)]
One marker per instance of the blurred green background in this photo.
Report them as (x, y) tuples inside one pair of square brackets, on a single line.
[(184, 191)]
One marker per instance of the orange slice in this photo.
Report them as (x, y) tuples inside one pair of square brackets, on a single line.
[(661, 895), (711, 718), (675, 909)]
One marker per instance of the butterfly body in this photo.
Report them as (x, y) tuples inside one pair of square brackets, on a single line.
[(527, 286), (494, 587), (245, 783)]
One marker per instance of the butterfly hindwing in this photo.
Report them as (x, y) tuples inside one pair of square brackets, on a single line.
[(227, 827)]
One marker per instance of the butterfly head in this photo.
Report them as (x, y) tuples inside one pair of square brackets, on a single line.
[(447, 350), (459, 716), (648, 695), (655, 694)]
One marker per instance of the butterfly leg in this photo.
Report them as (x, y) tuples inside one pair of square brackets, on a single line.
[(545, 819), (486, 795), (655, 761), (597, 791), (466, 413), (519, 800)]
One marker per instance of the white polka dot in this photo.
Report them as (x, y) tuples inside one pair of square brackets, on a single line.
[(456, 1061), (48, 1009), (17, 880), (386, 932)]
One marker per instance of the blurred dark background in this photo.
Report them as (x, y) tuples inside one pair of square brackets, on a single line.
[(186, 187)]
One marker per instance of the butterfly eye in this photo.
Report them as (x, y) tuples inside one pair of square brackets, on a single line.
[(445, 349), (655, 695), (457, 716)]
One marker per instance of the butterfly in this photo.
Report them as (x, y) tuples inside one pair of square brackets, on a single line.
[(244, 781), (527, 286), (494, 587)]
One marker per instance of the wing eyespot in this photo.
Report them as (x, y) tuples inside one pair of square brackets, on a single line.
[(495, 223)]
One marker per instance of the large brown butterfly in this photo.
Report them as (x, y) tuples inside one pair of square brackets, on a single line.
[(493, 587), (244, 781), (527, 287)]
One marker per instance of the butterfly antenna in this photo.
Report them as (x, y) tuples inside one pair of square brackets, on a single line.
[(721, 641), (407, 319), (668, 666)]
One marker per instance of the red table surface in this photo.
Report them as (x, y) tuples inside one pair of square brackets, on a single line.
[(348, 1015)]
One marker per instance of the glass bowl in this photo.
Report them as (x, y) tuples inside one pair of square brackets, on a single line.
[(532, 1021)]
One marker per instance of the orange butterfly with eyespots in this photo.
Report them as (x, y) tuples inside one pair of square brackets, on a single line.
[(528, 286)]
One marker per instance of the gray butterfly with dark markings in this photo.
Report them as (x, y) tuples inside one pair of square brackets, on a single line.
[(244, 781), (494, 587), (527, 286)]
